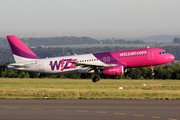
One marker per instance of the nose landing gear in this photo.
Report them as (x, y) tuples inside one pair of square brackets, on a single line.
[(152, 70)]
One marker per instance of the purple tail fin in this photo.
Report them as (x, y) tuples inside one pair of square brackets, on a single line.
[(20, 51)]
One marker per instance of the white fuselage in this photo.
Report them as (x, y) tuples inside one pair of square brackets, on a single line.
[(57, 65)]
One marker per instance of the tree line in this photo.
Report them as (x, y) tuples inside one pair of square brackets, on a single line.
[(176, 40), (6, 54), (161, 72), (167, 71), (54, 41)]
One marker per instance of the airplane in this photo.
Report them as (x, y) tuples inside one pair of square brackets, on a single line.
[(107, 63)]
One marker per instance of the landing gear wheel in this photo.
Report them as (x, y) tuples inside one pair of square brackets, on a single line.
[(96, 78), (152, 70), (153, 73)]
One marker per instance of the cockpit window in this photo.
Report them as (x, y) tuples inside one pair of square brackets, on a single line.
[(162, 52)]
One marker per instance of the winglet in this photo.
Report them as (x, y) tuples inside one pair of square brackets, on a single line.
[(20, 51)]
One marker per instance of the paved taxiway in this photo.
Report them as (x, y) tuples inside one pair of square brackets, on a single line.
[(90, 109)]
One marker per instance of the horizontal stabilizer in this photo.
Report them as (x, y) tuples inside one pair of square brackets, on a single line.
[(18, 65)]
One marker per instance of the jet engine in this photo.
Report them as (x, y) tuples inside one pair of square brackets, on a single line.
[(115, 70)]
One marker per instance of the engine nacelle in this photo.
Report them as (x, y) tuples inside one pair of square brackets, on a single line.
[(115, 70)]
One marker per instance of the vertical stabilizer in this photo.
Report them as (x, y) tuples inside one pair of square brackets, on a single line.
[(20, 51)]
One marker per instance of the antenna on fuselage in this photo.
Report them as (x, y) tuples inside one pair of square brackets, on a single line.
[(147, 46)]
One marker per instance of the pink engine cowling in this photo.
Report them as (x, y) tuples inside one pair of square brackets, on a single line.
[(115, 70)]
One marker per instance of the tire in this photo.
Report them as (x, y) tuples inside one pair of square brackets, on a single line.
[(94, 80)]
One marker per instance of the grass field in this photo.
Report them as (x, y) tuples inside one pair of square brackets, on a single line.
[(15, 88)]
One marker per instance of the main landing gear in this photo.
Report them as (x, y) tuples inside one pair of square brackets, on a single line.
[(152, 70), (96, 76)]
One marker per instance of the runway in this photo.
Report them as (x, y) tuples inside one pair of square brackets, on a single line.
[(90, 109)]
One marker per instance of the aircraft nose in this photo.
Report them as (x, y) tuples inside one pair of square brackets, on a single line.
[(171, 57)]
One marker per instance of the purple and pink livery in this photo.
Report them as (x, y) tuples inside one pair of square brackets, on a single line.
[(108, 63)]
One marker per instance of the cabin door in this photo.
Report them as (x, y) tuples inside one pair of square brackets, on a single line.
[(150, 54)]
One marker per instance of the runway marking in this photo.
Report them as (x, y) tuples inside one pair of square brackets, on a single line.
[(138, 115), (90, 107), (100, 112), (171, 119), (120, 113), (36, 108), (80, 110), (58, 109), (13, 108), (155, 117)]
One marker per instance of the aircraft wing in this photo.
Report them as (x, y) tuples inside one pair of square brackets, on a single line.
[(101, 66)]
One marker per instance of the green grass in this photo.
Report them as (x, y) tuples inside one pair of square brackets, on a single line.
[(16, 88)]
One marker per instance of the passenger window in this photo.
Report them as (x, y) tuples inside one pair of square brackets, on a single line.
[(104, 59)]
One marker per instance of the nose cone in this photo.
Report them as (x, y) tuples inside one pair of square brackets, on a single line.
[(170, 57)]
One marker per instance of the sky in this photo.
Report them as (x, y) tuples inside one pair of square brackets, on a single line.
[(91, 18)]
